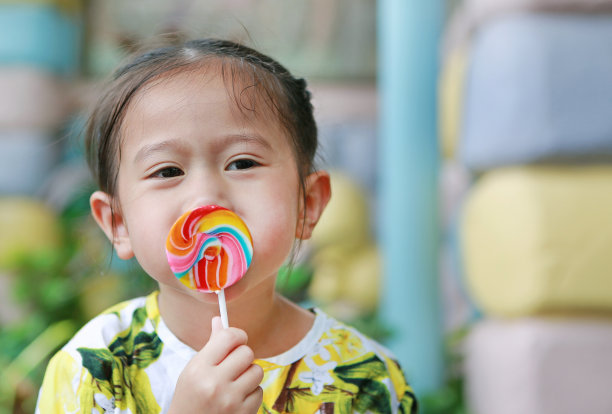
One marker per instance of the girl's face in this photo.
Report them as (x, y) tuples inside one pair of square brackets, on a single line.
[(184, 145)]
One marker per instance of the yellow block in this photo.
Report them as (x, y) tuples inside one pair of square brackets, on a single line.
[(346, 262), (450, 102), (28, 227), (539, 239)]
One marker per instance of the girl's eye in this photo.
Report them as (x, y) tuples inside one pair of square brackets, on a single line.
[(168, 172), (242, 164)]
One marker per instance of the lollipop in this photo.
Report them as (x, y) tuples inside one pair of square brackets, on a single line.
[(208, 249)]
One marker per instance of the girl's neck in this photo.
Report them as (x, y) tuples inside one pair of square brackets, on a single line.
[(272, 323)]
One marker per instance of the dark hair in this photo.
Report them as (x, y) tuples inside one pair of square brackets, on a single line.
[(259, 79)]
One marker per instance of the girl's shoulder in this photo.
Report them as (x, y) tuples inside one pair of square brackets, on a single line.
[(336, 364), (97, 368), (122, 320), (334, 339)]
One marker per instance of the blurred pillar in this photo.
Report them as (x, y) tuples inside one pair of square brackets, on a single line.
[(408, 37)]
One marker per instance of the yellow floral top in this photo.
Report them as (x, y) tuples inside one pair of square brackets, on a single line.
[(126, 360)]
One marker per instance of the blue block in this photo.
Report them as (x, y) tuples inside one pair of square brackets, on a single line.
[(41, 36), (539, 89), (26, 160)]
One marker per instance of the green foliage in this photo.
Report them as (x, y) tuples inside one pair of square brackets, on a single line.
[(450, 398), (293, 281), (447, 400)]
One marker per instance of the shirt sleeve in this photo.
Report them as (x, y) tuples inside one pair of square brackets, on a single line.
[(63, 389), (406, 399), (408, 403)]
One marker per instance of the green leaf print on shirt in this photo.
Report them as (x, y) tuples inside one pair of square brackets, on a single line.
[(366, 373), (118, 371)]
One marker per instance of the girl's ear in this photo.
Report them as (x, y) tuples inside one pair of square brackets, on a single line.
[(112, 223), (318, 192)]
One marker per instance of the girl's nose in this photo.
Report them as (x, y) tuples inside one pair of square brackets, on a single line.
[(205, 191)]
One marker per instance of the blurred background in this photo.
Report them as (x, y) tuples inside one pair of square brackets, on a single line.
[(469, 143)]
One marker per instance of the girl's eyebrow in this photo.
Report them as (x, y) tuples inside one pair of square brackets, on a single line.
[(177, 144), (148, 150), (250, 138)]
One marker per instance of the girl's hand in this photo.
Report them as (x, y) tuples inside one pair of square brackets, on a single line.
[(221, 378)]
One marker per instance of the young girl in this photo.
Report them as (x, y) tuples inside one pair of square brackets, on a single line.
[(212, 122)]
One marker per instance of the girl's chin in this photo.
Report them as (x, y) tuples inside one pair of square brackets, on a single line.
[(231, 293), (235, 291), (181, 291)]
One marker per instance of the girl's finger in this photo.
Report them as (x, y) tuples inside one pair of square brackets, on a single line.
[(250, 379), (220, 345), (253, 401), (237, 362)]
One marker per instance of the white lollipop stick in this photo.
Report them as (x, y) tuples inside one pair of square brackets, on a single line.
[(222, 308)]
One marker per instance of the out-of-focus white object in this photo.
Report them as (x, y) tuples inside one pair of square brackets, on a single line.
[(26, 158), (31, 98), (474, 13), (455, 182), (540, 366)]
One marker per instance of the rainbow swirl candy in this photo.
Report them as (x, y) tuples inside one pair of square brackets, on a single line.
[(209, 248)]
